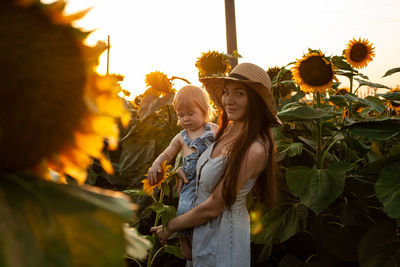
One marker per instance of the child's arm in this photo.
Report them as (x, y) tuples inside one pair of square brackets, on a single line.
[(169, 153)]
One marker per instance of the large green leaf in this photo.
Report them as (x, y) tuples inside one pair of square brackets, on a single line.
[(374, 85), (317, 188), (150, 106), (174, 250), (282, 223), (391, 95), (381, 129), (391, 71), (380, 246), (340, 63), (48, 224), (166, 212), (375, 103), (134, 154), (342, 240), (388, 189), (301, 113), (288, 149)]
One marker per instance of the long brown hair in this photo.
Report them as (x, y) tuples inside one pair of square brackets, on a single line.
[(257, 125)]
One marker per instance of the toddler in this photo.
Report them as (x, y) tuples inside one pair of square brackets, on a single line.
[(191, 104)]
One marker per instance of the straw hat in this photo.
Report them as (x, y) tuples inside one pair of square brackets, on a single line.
[(251, 75)]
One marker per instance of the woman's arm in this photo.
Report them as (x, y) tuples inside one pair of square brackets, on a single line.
[(251, 166), (167, 155)]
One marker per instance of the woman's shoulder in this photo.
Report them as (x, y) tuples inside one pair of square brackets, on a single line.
[(214, 126)]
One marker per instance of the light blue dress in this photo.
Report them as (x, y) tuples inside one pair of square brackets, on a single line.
[(225, 240)]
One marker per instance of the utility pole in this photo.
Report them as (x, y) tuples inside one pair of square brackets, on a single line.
[(231, 30), (108, 53)]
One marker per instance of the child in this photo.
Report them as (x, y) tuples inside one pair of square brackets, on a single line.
[(191, 103)]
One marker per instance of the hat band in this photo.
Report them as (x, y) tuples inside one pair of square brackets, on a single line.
[(238, 76)]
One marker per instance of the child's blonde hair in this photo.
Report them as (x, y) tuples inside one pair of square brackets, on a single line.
[(190, 94)]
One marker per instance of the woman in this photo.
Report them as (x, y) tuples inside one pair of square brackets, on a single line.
[(241, 157)]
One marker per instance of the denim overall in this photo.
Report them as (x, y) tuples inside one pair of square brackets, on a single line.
[(200, 144)]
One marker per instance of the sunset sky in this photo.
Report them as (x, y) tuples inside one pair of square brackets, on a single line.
[(169, 35)]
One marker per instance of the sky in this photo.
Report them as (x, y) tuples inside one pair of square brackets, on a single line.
[(169, 35)]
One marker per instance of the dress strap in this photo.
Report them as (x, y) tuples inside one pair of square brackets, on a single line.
[(186, 138)]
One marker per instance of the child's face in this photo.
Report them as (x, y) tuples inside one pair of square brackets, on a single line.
[(190, 116)]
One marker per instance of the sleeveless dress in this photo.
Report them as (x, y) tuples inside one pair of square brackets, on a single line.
[(200, 144), (224, 240)]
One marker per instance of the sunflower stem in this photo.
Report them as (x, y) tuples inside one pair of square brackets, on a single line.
[(351, 91), (150, 258), (319, 135)]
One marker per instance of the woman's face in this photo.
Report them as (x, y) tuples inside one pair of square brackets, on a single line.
[(235, 100)]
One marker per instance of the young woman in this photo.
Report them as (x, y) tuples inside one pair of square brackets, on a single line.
[(242, 157)]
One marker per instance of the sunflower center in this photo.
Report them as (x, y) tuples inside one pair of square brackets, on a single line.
[(315, 72), (358, 52)]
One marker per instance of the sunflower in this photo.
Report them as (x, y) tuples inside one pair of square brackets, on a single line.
[(148, 188), (280, 90), (394, 104), (256, 222), (55, 111), (158, 84), (359, 53), (314, 72), (342, 91), (213, 63)]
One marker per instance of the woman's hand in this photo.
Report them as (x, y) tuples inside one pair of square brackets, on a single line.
[(162, 233)]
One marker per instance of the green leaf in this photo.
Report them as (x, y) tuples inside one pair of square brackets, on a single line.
[(380, 246), (391, 71), (166, 212), (340, 63), (378, 129), (391, 95), (295, 98), (301, 113), (152, 105), (135, 154), (282, 223), (174, 250), (286, 149), (375, 85), (317, 188), (388, 189), (165, 189), (49, 224), (338, 100), (375, 103), (342, 240), (135, 192)]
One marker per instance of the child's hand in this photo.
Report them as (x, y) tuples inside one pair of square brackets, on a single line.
[(182, 179), (154, 174)]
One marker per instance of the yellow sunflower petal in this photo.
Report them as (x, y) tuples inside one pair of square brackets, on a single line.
[(359, 53)]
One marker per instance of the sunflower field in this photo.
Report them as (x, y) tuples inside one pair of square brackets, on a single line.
[(339, 158), (73, 187)]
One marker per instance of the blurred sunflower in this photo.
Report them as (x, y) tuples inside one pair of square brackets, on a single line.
[(55, 111), (359, 53), (158, 84), (148, 188), (213, 63), (342, 91), (256, 222), (394, 104), (314, 72), (280, 90)]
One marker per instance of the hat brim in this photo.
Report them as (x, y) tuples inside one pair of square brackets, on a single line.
[(214, 86)]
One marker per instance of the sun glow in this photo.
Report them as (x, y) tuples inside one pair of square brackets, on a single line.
[(169, 36)]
